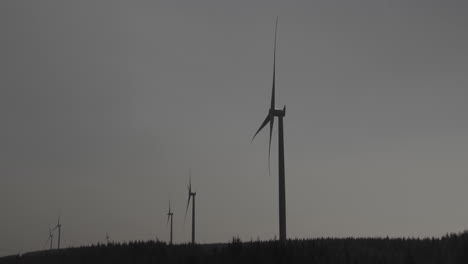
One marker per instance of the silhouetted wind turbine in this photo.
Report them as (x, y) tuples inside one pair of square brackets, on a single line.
[(51, 237), (270, 118), (59, 227), (191, 194), (170, 215), (107, 238)]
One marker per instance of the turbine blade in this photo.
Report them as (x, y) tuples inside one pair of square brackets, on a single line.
[(168, 215), (272, 104), (267, 119), (51, 235), (186, 209), (272, 121)]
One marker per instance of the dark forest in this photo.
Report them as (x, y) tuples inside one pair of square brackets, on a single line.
[(451, 248)]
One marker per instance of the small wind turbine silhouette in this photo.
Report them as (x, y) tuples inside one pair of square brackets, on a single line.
[(191, 194), (270, 118), (107, 238), (59, 227), (170, 215), (51, 238)]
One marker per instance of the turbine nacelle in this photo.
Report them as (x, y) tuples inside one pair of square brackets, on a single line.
[(278, 112)]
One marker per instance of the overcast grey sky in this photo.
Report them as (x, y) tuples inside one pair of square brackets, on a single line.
[(106, 105)]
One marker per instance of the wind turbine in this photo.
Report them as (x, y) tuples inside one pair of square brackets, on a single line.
[(170, 215), (191, 194), (51, 238), (59, 227), (107, 238), (270, 118)]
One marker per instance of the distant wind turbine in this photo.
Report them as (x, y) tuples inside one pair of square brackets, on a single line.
[(270, 118), (170, 215), (191, 194), (59, 227), (51, 238), (107, 238)]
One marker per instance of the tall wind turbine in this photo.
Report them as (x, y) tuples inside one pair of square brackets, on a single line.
[(270, 118), (170, 215), (191, 194), (59, 227), (51, 237)]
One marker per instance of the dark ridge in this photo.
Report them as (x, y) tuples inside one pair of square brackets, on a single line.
[(451, 248)]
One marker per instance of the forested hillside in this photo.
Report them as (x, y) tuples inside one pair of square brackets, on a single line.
[(448, 249)]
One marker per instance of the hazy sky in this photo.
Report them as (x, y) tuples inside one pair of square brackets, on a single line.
[(106, 105)]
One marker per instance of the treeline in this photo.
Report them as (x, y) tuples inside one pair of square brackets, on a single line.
[(448, 249)]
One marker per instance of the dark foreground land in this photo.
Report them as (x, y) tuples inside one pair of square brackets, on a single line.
[(448, 249)]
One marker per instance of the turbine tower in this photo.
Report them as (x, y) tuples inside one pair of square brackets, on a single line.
[(170, 215), (59, 227), (191, 194), (51, 237), (270, 118)]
